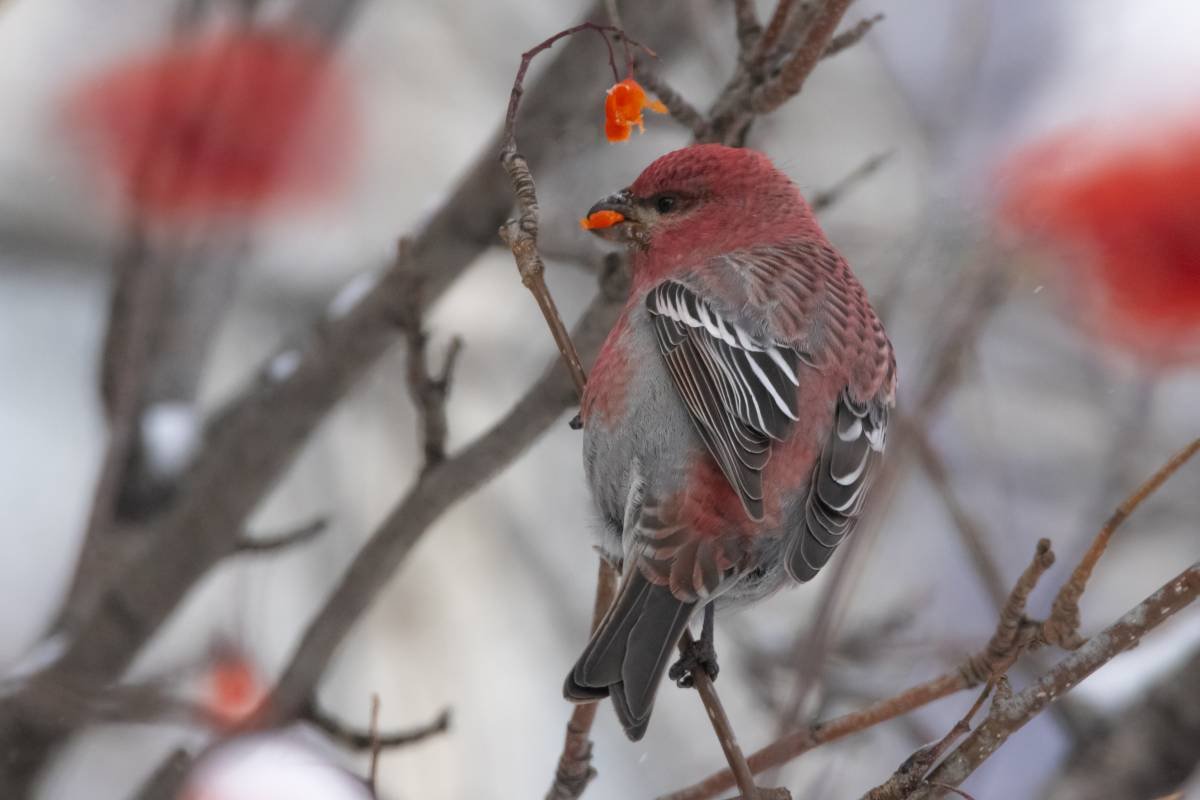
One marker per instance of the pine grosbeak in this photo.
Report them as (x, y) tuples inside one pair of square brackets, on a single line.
[(734, 416)]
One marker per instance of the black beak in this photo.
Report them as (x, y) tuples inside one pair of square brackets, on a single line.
[(621, 202)]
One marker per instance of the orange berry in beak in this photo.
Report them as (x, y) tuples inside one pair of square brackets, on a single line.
[(601, 219)]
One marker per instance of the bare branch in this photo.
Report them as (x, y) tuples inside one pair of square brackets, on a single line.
[(1007, 717), (748, 27), (377, 746), (796, 69), (970, 531), (680, 109), (258, 545), (371, 740), (252, 441), (851, 36), (575, 768), (742, 775), (823, 200), (1010, 635), (1062, 627), (912, 772), (1145, 750), (521, 233), (429, 392), (771, 36)]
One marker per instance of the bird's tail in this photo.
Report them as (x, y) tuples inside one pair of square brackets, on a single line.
[(629, 651)]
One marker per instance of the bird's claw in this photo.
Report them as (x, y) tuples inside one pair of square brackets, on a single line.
[(696, 656)]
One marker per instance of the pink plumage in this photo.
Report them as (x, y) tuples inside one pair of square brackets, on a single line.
[(734, 416)]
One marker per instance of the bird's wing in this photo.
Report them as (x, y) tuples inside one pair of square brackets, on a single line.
[(742, 337), (839, 483), (740, 390)]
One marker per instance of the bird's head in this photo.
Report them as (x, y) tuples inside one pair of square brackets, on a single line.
[(703, 199)]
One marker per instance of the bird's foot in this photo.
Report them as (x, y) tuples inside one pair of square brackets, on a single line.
[(698, 655)]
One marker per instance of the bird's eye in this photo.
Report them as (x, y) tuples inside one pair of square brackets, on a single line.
[(665, 203)]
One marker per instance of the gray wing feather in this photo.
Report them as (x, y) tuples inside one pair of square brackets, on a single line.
[(839, 484), (740, 391)]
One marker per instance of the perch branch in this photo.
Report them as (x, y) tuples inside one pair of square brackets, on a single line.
[(975, 670), (743, 777)]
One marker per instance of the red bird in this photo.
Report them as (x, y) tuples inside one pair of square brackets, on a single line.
[(734, 416)]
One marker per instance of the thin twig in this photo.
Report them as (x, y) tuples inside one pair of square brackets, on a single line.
[(742, 775), (680, 109), (376, 745), (429, 392), (775, 28), (799, 66), (372, 739), (970, 530), (1062, 627), (912, 772), (851, 36), (575, 770), (748, 26), (521, 233), (823, 200), (258, 545)]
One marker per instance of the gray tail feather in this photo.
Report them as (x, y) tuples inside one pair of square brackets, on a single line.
[(629, 652)]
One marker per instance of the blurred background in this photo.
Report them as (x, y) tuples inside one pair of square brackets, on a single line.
[(1048, 152)]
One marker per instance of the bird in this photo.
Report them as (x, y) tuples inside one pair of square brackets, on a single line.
[(733, 419)]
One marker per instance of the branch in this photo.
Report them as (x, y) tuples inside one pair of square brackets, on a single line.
[(440, 488), (851, 36), (742, 775), (429, 392), (1146, 750), (1062, 628), (250, 444), (771, 36), (1006, 717), (823, 200), (575, 768), (372, 739), (742, 100), (680, 109), (970, 531), (1014, 634), (748, 27), (910, 774), (977, 669), (258, 545)]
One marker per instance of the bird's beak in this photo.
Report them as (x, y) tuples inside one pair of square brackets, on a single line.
[(613, 218)]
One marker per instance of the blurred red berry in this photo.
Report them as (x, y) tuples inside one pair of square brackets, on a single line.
[(224, 124), (232, 686), (1125, 217)]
